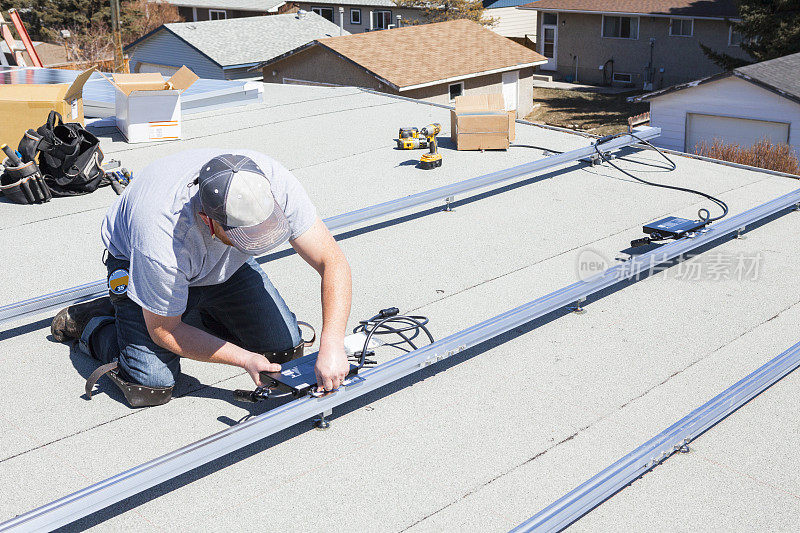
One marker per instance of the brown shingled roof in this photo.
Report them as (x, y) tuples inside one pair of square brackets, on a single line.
[(416, 55), (684, 8)]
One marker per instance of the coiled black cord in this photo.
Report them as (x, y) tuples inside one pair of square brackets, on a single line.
[(703, 213), (410, 327)]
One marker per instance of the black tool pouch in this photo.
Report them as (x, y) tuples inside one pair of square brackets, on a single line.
[(24, 184), (69, 156), (29, 145)]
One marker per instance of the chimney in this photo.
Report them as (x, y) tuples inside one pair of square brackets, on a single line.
[(399, 21), (341, 20)]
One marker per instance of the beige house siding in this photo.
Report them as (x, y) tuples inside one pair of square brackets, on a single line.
[(319, 65), (525, 97), (682, 60), (513, 22), (405, 14), (490, 84)]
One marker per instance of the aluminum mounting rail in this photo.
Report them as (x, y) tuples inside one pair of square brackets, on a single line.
[(89, 291), (572, 506), (121, 486)]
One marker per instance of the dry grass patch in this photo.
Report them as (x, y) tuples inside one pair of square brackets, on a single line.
[(591, 112), (763, 154)]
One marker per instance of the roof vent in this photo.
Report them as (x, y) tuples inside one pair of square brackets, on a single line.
[(301, 13)]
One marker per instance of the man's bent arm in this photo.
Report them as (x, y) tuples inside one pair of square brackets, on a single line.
[(180, 338), (319, 249)]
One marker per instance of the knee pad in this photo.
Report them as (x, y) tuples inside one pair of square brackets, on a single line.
[(136, 394)]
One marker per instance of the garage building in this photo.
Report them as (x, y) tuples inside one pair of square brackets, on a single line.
[(432, 62), (741, 106)]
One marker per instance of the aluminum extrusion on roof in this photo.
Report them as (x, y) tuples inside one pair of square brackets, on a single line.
[(98, 288), (98, 93), (572, 506), (123, 485)]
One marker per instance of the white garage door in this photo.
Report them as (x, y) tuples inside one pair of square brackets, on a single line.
[(166, 70), (741, 131)]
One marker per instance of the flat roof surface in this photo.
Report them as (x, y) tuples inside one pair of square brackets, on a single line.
[(481, 441)]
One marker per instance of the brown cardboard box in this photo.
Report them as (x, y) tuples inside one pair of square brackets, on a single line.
[(480, 122), (153, 81), (25, 106)]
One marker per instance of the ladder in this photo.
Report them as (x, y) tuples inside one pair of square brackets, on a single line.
[(11, 43), (24, 37)]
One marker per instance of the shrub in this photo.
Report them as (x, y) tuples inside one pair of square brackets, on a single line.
[(763, 154)]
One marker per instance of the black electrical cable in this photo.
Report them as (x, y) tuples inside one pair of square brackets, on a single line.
[(382, 324), (704, 214), (542, 148)]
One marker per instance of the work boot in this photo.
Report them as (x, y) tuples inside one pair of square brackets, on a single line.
[(70, 322)]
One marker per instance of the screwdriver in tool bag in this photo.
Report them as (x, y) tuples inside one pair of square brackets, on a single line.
[(12, 155)]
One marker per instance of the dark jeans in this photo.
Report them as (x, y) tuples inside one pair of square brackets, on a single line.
[(246, 310)]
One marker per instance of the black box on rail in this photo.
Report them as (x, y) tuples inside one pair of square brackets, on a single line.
[(672, 227), (298, 376)]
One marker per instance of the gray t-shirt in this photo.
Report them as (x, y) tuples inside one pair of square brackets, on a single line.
[(154, 224)]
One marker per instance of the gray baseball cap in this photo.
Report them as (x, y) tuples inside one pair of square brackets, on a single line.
[(236, 193)]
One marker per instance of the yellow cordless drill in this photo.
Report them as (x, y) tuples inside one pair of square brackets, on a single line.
[(413, 138), (433, 158)]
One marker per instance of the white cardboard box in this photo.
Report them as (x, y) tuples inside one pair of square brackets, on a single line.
[(147, 107)]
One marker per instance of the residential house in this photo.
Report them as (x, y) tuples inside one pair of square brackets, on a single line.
[(49, 53), (196, 10), (437, 73), (742, 106), (358, 16), (225, 49), (636, 43), (511, 22)]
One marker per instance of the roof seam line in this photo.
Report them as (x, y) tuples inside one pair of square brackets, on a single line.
[(599, 419), (40, 446), (109, 421), (706, 356), (519, 269), (244, 128), (498, 476), (30, 222)]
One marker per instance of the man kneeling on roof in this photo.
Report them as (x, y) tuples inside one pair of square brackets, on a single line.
[(183, 281)]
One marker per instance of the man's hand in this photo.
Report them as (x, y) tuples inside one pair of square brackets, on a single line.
[(258, 363), (331, 368)]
